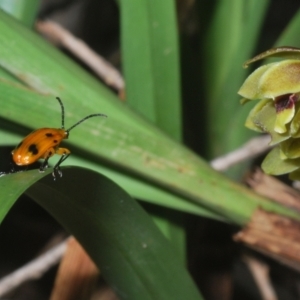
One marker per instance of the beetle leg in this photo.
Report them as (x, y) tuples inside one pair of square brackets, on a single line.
[(47, 155), (12, 168), (64, 152), (56, 168), (44, 165)]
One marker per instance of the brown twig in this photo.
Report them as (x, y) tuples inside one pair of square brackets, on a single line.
[(250, 149), (77, 274), (32, 270), (260, 273), (274, 189), (60, 36)]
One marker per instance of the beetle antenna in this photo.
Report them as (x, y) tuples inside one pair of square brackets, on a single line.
[(62, 113), (87, 117)]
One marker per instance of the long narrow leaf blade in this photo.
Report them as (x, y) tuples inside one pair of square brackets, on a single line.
[(123, 140), (230, 40), (151, 61), (131, 253)]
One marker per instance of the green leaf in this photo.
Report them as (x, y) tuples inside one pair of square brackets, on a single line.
[(290, 35), (124, 141), (142, 190), (23, 10), (151, 61), (222, 62), (152, 85), (41, 110), (131, 253)]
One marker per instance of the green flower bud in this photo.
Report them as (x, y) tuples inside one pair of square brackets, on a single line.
[(277, 86)]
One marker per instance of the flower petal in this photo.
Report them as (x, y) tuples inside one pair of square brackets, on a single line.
[(250, 88), (291, 148), (273, 80), (284, 117), (295, 124), (251, 121), (273, 165), (295, 175), (262, 118)]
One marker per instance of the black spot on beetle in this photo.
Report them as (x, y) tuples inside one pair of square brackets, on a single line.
[(55, 141), (33, 149), (48, 134)]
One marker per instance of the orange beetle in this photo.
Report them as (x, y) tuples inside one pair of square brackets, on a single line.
[(44, 143)]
